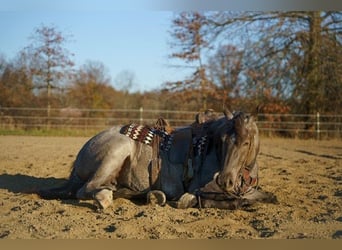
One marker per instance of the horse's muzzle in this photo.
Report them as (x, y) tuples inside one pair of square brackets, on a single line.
[(225, 182)]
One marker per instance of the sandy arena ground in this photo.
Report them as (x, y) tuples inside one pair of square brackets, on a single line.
[(305, 175)]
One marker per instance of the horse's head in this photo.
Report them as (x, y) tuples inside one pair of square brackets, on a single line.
[(238, 146)]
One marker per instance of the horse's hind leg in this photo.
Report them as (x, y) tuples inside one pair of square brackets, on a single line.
[(101, 186), (104, 198)]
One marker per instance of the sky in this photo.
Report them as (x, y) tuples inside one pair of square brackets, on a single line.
[(123, 35), (122, 39)]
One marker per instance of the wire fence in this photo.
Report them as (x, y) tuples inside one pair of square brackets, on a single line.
[(319, 126)]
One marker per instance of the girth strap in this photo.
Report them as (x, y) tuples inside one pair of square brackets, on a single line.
[(163, 128)]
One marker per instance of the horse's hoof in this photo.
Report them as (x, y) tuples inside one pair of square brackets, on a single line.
[(156, 197), (187, 200), (104, 198)]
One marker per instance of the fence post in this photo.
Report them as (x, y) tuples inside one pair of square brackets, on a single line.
[(141, 114), (317, 126)]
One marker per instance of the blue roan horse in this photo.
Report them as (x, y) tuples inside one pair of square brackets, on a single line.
[(212, 164)]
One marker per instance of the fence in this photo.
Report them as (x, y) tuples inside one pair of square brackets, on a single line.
[(287, 125)]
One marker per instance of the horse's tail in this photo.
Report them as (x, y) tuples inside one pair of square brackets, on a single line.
[(67, 191)]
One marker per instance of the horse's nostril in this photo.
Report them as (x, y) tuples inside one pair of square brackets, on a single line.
[(230, 183)]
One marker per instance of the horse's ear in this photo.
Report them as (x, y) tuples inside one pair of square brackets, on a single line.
[(254, 114), (227, 113)]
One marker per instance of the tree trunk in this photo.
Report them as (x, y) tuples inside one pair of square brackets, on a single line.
[(314, 84)]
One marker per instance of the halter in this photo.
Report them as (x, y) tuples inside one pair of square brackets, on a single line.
[(245, 184), (246, 181)]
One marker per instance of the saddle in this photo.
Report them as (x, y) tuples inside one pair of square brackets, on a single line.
[(184, 148), (179, 146)]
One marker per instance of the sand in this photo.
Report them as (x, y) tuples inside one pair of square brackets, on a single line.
[(305, 175)]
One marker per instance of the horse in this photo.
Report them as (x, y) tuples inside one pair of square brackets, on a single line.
[(212, 167)]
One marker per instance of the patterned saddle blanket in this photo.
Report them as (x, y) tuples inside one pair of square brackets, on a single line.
[(146, 134)]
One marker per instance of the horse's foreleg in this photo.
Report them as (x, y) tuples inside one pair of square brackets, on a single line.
[(187, 200), (156, 197)]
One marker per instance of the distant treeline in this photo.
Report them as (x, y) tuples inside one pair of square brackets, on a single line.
[(290, 62)]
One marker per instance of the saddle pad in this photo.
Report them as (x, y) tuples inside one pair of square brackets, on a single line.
[(145, 134), (140, 133)]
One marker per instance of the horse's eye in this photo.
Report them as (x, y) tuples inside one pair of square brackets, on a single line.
[(233, 138), (246, 143)]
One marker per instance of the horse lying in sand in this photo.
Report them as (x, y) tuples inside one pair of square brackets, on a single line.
[(212, 164)]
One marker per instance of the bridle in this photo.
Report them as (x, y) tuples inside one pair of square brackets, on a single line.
[(245, 184)]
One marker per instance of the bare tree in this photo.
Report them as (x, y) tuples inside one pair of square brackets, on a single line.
[(224, 69), (296, 43), (50, 61), (190, 44), (294, 56)]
